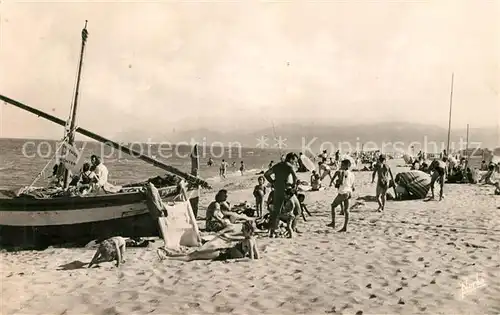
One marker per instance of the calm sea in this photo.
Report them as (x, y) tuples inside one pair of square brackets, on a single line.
[(22, 160)]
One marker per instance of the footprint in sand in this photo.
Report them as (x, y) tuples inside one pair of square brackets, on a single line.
[(224, 309)]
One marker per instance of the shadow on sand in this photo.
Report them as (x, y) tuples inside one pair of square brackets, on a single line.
[(73, 265)]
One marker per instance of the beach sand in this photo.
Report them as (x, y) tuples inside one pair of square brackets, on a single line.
[(416, 257)]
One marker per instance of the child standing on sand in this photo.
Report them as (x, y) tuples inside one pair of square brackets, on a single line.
[(242, 167), (259, 192), (345, 186)]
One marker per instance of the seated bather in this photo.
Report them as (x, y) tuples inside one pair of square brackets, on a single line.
[(219, 215), (490, 178), (86, 179), (315, 181)]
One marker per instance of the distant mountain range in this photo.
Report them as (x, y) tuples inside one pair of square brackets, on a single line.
[(350, 137)]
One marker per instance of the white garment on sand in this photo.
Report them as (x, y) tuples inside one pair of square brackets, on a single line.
[(347, 183), (102, 174)]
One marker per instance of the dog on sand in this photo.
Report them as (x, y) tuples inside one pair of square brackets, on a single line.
[(110, 250)]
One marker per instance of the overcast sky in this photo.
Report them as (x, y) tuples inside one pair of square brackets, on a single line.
[(160, 66)]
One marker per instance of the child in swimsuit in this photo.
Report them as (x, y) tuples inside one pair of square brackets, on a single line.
[(345, 186), (259, 192)]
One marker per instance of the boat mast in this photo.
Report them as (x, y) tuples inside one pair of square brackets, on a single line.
[(467, 146), (71, 135), (449, 118)]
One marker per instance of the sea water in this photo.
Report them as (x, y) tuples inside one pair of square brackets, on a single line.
[(22, 160)]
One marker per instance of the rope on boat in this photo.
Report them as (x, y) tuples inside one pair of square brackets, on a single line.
[(50, 161)]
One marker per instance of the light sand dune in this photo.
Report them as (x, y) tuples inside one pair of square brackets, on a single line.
[(410, 259)]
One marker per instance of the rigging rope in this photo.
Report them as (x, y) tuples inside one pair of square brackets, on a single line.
[(50, 161)]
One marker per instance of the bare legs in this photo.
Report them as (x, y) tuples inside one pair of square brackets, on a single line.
[(381, 197), (439, 177), (341, 200), (259, 206)]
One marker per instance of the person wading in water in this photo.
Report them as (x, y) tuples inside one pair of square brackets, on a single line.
[(284, 177)]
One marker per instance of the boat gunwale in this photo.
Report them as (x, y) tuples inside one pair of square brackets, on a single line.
[(67, 203)]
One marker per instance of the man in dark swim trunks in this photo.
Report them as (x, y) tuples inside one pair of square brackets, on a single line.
[(282, 171), (439, 169)]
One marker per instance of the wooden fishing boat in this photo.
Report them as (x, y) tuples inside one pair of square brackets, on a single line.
[(34, 220)]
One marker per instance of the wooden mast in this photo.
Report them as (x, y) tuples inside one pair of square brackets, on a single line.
[(195, 171), (113, 144), (449, 118), (71, 135), (467, 146)]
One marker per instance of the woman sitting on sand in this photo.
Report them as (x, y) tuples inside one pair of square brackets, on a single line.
[(315, 181), (490, 179), (219, 215)]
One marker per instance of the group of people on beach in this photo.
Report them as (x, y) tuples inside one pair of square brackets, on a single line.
[(285, 205)]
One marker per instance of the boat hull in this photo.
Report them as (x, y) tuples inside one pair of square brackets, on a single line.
[(38, 223)]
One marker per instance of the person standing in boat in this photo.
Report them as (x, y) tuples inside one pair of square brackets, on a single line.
[(100, 170)]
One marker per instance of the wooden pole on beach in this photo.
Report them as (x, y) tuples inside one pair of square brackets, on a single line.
[(195, 167), (467, 146), (449, 118)]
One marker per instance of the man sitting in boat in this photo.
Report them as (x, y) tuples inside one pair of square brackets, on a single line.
[(100, 170)]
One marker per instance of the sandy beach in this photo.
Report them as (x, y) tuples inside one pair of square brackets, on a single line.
[(416, 257)]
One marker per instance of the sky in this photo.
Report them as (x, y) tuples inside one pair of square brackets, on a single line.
[(166, 66)]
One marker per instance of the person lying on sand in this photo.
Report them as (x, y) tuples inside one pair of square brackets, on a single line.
[(438, 169), (345, 186), (246, 246), (219, 215), (383, 172)]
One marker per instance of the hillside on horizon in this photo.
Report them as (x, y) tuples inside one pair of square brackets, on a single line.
[(299, 135)]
